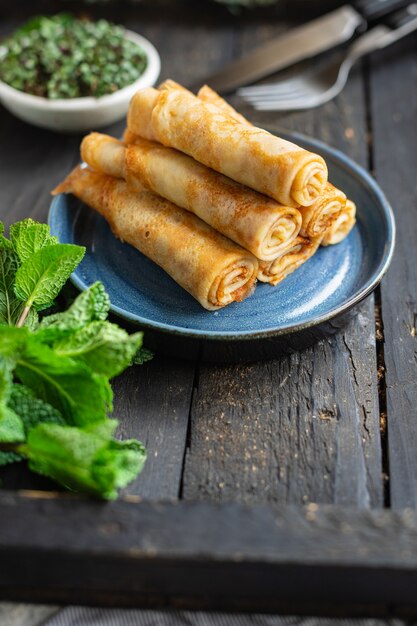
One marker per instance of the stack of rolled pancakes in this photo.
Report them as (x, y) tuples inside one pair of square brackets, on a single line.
[(213, 200)]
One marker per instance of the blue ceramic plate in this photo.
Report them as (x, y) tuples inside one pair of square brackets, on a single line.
[(331, 282)]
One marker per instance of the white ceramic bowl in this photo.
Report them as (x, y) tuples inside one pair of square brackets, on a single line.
[(81, 114)]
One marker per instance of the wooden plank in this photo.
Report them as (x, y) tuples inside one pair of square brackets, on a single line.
[(394, 111), (324, 560), (303, 428), (152, 403)]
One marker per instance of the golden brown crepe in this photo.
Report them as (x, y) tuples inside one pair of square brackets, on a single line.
[(342, 226), (252, 220), (289, 260), (332, 212), (129, 137), (252, 156), (319, 217), (207, 94), (170, 84), (210, 267)]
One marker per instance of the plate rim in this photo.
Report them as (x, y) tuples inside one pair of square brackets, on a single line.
[(349, 165)]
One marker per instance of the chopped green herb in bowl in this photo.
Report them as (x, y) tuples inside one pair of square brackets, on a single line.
[(63, 57), (69, 74)]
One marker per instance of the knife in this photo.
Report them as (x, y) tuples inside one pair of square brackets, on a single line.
[(300, 43)]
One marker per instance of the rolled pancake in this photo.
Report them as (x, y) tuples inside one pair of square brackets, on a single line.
[(289, 260), (342, 226), (170, 85), (329, 214), (252, 220), (100, 150), (129, 137), (210, 267), (320, 216), (249, 155), (207, 94)]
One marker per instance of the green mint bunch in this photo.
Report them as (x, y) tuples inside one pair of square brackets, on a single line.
[(62, 57), (55, 394)]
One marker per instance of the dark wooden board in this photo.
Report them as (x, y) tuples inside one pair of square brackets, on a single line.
[(289, 431), (297, 430), (394, 111), (323, 560)]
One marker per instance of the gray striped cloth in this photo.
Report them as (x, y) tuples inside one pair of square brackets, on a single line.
[(80, 616)]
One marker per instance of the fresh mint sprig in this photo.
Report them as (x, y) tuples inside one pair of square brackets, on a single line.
[(55, 394)]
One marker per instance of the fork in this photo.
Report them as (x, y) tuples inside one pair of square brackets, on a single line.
[(315, 87)]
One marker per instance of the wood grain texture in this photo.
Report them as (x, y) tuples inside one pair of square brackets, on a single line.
[(303, 428), (152, 404), (298, 429), (189, 555), (394, 111)]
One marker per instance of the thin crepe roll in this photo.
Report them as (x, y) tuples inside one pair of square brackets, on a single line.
[(289, 260), (210, 267), (252, 156), (342, 226), (331, 214), (129, 137), (101, 150), (252, 220), (207, 94), (320, 216), (170, 85)]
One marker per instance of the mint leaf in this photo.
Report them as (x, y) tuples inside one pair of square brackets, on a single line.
[(29, 236), (32, 319), (83, 460), (32, 410), (9, 457), (104, 347), (80, 395), (40, 278), (64, 453), (117, 465), (11, 426), (5, 380), (9, 304), (11, 307), (4, 242), (12, 342), (91, 305), (105, 429), (142, 356)]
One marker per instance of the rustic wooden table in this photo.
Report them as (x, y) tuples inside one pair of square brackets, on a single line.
[(332, 425)]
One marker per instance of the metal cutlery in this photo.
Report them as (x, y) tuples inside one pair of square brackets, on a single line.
[(316, 86), (300, 43)]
